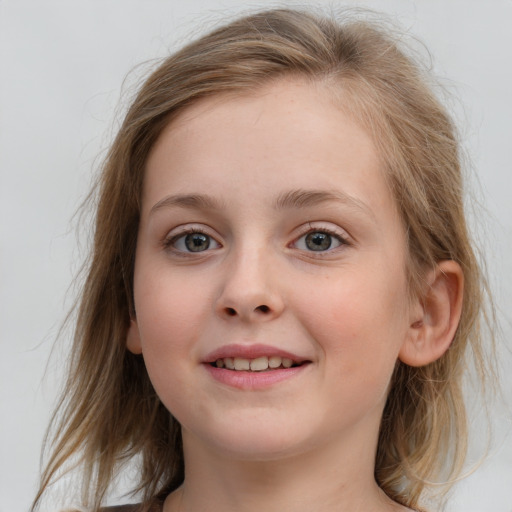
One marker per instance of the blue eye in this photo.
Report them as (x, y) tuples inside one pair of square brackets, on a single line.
[(193, 242), (318, 241)]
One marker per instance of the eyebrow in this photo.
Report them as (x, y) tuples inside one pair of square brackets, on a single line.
[(189, 201), (304, 198), (293, 199)]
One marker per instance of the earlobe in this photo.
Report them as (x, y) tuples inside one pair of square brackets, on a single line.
[(133, 343), (435, 316)]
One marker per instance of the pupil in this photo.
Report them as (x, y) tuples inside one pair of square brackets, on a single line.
[(197, 242), (318, 241)]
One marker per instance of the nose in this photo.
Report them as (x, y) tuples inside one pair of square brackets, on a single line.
[(250, 290)]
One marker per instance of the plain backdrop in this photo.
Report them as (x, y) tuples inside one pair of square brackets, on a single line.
[(62, 68)]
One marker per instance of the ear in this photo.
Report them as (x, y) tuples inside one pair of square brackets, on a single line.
[(133, 343), (434, 316)]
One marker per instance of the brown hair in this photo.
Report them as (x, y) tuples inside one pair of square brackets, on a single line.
[(109, 409)]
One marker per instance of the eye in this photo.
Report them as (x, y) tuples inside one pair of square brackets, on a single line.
[(319, 241), (195, 241)]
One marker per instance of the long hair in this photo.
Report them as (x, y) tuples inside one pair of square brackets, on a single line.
[(109, 411)]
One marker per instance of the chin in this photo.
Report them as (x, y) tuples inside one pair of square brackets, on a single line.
[(253, 440), (261, 451)]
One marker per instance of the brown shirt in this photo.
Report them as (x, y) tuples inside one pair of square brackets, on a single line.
[(157, 507), (135, 507)]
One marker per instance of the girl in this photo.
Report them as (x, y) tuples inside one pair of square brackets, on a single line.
[(282, 295)]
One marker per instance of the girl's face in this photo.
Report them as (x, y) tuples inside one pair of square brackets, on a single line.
[(268, 237)]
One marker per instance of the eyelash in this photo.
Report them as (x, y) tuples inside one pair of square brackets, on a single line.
[(169, 242), (343, 241)]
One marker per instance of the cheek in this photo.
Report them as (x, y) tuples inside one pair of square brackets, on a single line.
[(169, 314), (167, 335), (358, 321), (167, 305)]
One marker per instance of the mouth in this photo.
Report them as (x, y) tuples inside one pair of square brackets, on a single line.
[(253, 358), (251, 367), (258, 364)]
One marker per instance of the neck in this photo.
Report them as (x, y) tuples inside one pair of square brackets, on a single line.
[(325, 479)]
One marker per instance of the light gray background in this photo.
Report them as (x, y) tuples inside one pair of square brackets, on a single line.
[(62, 65)]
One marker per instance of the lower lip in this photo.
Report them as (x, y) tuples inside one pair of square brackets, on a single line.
[(253, 380)]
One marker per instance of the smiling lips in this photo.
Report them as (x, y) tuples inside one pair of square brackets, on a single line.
[(259, 364), (253, 366)]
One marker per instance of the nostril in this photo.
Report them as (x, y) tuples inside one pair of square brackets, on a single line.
[(263, 308), (230, 311)]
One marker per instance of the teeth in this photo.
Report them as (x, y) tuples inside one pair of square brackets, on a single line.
[(258, 364), (242, 364), (274, 361)]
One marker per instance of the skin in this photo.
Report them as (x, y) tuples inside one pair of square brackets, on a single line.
[(307, 442)]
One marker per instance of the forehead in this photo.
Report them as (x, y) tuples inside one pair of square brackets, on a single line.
[(311, 107), (289, 132)]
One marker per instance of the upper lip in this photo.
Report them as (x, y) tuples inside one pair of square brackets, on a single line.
[(251, 352)]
